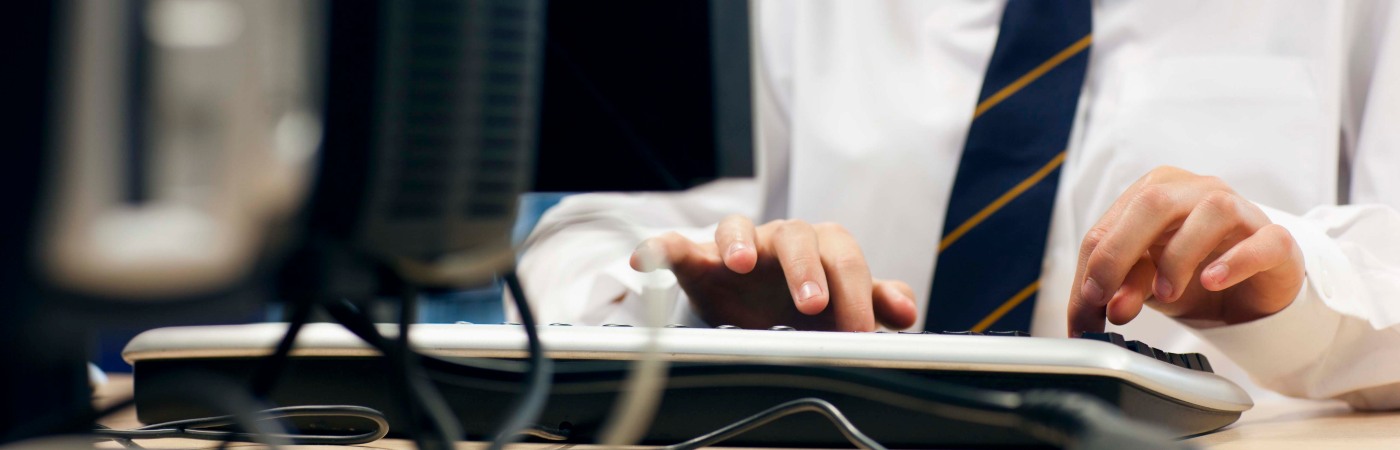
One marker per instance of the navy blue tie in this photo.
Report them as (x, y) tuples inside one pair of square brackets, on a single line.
[(998, 216)]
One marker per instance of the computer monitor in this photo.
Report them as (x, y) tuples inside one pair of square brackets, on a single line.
[(644, 95), (430, 130)]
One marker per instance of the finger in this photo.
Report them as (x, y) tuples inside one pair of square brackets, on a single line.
[(1137, 287), (1088, 314), (668, 251), (1210, 223), (1266, 249), (1153, 210), (735, 237), (795, 244), (1085, 315), (848, 276), (894, 304)]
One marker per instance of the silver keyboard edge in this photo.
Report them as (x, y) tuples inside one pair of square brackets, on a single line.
[(880, 350)]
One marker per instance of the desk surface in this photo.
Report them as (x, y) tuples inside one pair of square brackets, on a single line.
[(1281, 425)]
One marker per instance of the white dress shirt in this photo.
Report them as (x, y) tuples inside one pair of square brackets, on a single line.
[(862, 109)]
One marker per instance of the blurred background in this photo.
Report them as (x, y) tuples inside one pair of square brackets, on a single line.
[(203, 161)]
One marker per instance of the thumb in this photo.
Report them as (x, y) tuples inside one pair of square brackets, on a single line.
[(668, 251)]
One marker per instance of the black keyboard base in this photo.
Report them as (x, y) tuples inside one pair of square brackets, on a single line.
[(685, 411)]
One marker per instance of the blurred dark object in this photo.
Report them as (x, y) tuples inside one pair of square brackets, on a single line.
[(430, 127), (161, 146), (643, 95)]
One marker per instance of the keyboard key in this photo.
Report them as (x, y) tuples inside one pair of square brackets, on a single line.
[(916, 332), (1141, 348), (727, 327), (510, 323), (1178, 360), (1017, 333), (781, 328), (676, 325), (617, 325), (1205, 363), (561, 324), (1193, 360), (1112, 338), (1198, 361), (1161, 356), (962, 333)]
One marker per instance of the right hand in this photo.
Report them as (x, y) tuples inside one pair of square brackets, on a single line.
[(785, 272)]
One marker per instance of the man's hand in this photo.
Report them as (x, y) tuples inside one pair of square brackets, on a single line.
[(786, 272), (1188, 246)]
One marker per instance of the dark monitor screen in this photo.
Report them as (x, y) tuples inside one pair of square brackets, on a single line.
[(644, 95)]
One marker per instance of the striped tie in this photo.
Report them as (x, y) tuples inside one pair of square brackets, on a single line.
[(998, 217)]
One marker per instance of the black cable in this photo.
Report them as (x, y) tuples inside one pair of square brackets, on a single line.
[(398, 360), (423, 393), (125, 443), (530, 404), (199, 428), (816, 405), (538, 372), (420, 388), (271, 369), (215, 392)]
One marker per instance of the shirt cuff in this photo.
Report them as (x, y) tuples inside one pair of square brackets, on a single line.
[(1299, 334), (1281, 343), (616, 297)]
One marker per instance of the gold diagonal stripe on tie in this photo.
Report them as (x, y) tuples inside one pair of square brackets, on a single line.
[(1006, 307), (1031, 76), (1005, 198)]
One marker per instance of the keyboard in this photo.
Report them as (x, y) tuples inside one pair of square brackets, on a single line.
[(331, 366)]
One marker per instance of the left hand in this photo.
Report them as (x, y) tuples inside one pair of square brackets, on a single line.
[(1188, 246)]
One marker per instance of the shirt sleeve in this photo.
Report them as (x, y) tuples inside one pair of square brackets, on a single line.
[(575, 264), (1341, 337)]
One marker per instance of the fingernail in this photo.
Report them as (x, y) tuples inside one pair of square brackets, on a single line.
[(1217, 273), (808, 291), (735, 248), (1164, 288), (1091, 292)]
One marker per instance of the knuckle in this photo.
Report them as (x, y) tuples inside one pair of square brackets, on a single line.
[(1152, 197), (802, 264), (1221, 203), (1092, 240), (1103, 259), (831, 227), (1155, 175), (1213, 181), (788, 227), (1162, 174), (848, 263), (1282, 238)]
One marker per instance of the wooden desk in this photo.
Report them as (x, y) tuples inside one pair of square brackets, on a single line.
[(1281, 425)]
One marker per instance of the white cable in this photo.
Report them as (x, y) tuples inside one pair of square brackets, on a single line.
[(645, 383), (641, 391)]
